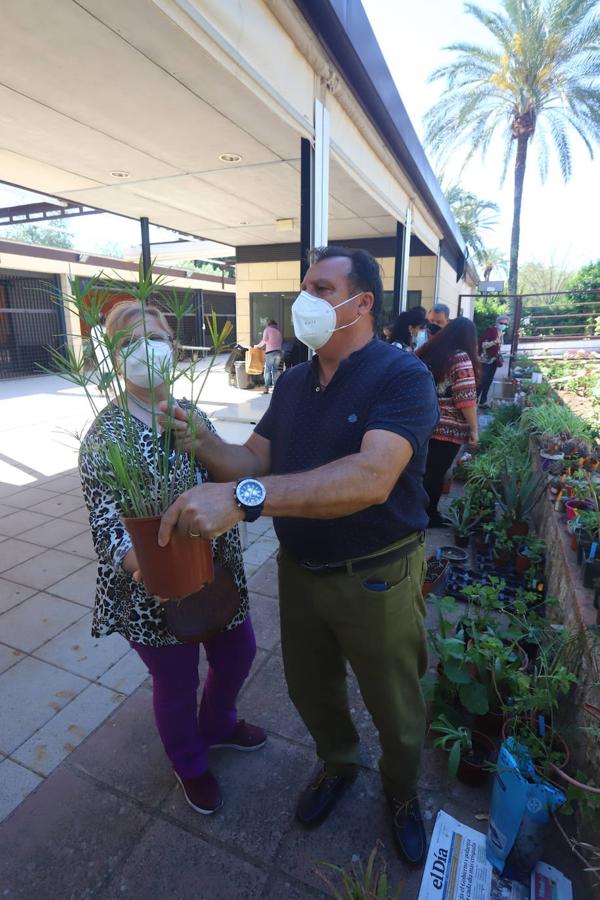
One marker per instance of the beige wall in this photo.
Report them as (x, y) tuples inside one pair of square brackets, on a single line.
[(449, 289), (264, 277)]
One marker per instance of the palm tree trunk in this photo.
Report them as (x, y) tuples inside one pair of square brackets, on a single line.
[(520, 161)]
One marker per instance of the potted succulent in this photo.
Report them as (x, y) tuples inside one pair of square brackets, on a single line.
[(518, 494), (469, 752), (462, 519), (144, 490)]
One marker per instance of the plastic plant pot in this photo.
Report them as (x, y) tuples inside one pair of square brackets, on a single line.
[(472, 766), (456, 555), (572, 507), (181, 568), (461, 540), (436, 576), (591, 567)]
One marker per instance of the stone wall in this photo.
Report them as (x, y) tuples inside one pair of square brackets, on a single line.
[(565, 582)]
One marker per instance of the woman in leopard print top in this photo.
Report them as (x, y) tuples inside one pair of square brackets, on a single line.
[(123, 605)]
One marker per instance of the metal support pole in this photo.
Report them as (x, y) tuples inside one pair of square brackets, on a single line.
[(514, 344), (146, 261), (305, 198), (398, 269), (405, 259)]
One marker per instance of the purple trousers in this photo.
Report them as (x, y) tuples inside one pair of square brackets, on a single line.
[(185, 731)]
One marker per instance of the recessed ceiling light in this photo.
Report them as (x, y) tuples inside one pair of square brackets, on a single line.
[(120, 173), (230, 157)]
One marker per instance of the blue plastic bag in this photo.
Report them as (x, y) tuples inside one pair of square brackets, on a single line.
[(521, 807)]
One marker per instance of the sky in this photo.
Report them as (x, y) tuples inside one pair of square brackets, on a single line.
[(559, 223)]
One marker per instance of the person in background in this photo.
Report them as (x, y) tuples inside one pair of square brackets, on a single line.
[(451, 357), (409, 330), (439, 315), (386, 333), (490, 357), (272, 342)]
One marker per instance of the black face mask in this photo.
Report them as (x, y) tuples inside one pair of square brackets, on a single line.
[(432, 328)]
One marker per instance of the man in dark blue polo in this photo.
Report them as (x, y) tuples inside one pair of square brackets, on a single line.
[(338, 461)]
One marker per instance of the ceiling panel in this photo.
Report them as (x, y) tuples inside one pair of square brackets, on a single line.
[(344, 188), (170, 47), (28, 128), (344, 229), (274, 187), (99, 79), (385, 225)]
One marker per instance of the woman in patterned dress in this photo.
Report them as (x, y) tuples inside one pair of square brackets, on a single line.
[(123, 605), (451, 356)]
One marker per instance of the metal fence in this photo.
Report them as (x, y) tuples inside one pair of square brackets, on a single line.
[(554, 325), (31, 323)]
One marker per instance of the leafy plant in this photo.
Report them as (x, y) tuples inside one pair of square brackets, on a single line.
[(454, 739), (143, 490), (532, 547), (555, 418), (518, 493), (462, 516), (361, 882)]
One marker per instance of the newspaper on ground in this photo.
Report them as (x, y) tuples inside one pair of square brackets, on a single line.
[(457, 869)]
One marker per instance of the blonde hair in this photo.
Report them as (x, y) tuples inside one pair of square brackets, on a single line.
[(127, 314)]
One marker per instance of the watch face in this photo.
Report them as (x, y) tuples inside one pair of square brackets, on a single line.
[(250, 492)]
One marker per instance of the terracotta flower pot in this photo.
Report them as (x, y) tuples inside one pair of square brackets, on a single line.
[(184, 566), (471, 768), (490, 724), (518, 529), (522, 563)]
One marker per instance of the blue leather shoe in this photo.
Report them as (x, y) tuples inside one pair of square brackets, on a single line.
[(321, 795), (409, 831)]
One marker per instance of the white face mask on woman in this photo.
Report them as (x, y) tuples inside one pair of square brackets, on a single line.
[(147, 362), (314, 319), (421, 338)]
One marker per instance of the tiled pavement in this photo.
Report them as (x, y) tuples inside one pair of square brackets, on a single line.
[(89, 803), (104, 818)]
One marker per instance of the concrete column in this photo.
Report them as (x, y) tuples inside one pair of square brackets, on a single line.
[(72, 322)]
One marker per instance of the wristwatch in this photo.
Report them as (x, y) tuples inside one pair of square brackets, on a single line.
[(250, 496)]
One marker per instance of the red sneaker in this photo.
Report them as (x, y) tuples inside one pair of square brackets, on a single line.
[(244, 737), (203, 793)]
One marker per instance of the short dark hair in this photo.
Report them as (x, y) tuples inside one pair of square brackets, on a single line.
[(365, 273)]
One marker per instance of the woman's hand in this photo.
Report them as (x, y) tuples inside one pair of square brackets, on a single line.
[(473, 438), (185, 430)]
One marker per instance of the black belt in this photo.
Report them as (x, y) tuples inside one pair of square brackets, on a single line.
[(364, 562)]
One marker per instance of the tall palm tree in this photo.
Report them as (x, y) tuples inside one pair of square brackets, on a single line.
[(490, 258), (540, 80), (473, 216)]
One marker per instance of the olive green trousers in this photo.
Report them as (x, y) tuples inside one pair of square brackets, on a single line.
[(328, 620)]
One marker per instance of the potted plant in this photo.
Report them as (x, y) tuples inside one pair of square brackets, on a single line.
[(469, 752), (462, 519), (435, 576), (518, 494), (504, 546), (144, 491), (531, 552)]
